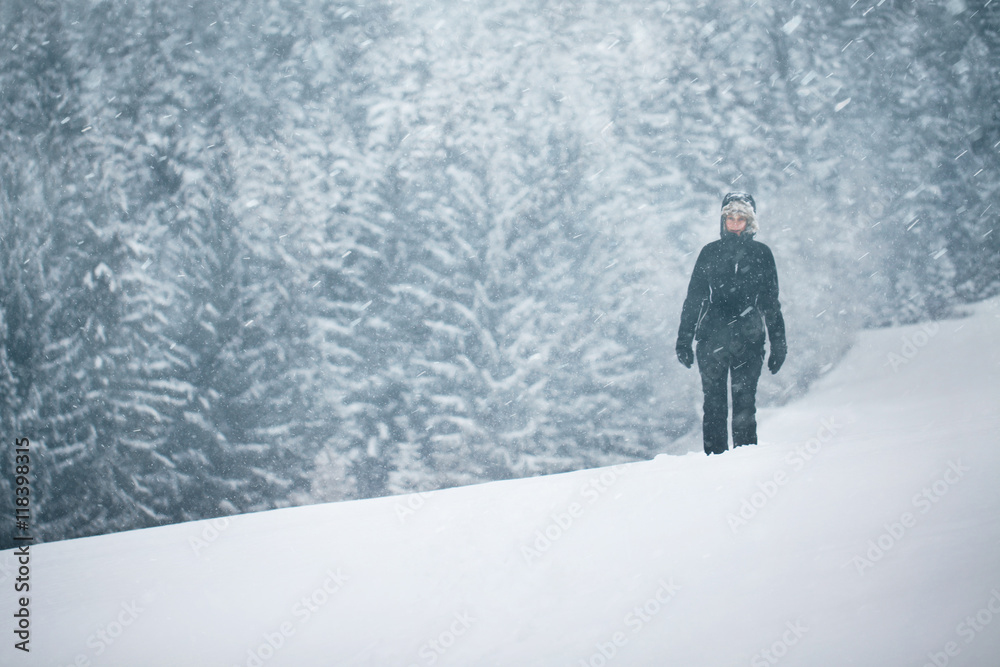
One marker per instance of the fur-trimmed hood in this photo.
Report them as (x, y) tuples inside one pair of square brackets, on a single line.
[(743, 208)]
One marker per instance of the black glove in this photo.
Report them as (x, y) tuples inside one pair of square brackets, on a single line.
[(776, 359), (685, 354)]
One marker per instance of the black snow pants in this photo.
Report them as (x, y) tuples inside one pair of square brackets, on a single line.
[(716, 366)]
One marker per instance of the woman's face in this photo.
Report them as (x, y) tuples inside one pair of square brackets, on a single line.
[(736, 223)]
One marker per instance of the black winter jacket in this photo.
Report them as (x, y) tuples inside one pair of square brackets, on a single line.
[(732, 296)]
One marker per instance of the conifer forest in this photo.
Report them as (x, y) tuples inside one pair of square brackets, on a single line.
[(265, 253)]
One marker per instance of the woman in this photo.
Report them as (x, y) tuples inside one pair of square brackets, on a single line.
[(731, 299)]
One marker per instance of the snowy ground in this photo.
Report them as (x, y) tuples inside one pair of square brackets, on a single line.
[(864, 530)]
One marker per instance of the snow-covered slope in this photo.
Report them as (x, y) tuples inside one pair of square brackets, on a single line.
[(864, 530)]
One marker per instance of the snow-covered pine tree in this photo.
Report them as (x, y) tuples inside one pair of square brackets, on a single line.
[(266, 396), (34, 79), (76, 339)]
